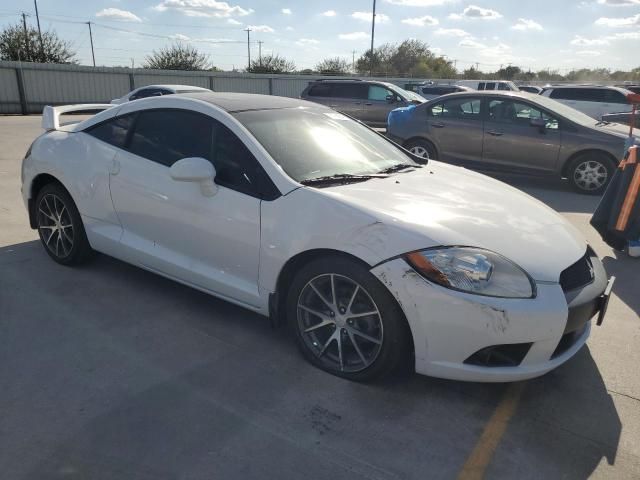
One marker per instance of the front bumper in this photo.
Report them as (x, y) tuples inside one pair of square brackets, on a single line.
[(449, 327)]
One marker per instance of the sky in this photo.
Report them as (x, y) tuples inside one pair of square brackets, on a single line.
[(538, 34)]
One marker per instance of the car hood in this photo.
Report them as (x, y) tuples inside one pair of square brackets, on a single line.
[(618, 129), (449, 205)]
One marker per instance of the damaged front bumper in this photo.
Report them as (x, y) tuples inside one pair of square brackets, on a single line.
[(462, 336)]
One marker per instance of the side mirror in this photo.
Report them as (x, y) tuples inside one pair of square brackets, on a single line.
[(391, 99), (538, 122), (197, 170)]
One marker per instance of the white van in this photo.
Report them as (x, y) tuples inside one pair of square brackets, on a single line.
[(593, 100), (489, 85)]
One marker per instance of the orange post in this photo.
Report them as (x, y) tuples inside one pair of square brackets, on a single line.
[(632, 193)]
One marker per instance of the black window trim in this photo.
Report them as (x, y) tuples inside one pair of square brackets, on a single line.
[(266, 189)]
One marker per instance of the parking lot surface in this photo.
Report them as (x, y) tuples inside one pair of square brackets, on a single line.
[(111, 372)]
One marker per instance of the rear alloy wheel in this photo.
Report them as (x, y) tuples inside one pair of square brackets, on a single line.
[(60, 227), (422, 149), (346, 322), (590, 173)]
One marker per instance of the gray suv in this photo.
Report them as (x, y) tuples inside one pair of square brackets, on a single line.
[(367, 100)]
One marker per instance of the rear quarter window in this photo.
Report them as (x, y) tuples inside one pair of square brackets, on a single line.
[(113, 131), (321, 90)]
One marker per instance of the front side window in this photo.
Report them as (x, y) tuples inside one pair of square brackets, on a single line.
[(458, 108), (166, 136), (614, 96), (312, 142), (518, 113), (378, 93), (113, 131)]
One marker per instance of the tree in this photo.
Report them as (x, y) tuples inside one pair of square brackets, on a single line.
[(508, 73), (333, 66), (273, 63), (178, 56), (15, 45)]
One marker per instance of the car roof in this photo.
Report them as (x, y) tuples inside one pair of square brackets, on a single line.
[(607, 87), (174, 87), (489, 93), (238, 102)]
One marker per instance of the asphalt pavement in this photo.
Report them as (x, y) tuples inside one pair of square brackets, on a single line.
[(111, 372)]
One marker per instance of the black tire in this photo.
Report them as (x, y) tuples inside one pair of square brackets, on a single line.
[(590, 172), (60, 227), (419, 143), (394, 348)]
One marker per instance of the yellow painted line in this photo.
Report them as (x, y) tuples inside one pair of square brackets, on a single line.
[(486, 445)]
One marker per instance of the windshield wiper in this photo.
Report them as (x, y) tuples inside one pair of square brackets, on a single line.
[(603, 122), (399, 167), (340, 178)]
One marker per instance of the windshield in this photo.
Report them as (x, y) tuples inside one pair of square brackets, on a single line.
[(564, 110), (310, 143)]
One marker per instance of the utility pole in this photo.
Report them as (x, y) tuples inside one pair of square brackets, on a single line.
[(93, 55), (373, 30), (353, 61), (133, 64), (35, 2), (248, 30), (260, 42), (26, 35)]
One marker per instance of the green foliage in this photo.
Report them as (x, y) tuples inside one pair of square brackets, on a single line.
[(177, 57), (15, 45), (333, 66), (272, 64), (409, 58)]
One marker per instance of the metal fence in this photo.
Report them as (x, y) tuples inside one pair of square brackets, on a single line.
[(27, 87)]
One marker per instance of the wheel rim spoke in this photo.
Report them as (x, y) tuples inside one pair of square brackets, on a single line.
[(55, 225), (350, 312)]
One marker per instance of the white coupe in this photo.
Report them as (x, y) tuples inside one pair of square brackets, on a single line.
[(290, 209)]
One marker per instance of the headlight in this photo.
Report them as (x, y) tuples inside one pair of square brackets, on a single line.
[(472, 270)]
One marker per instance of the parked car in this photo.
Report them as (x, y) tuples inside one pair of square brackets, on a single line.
[(513, 131), (592, 100), (624, 118), (530, 89), (631, 87), (489, 85), (429, 92), (157, 91), (295, 211), (367, 100)]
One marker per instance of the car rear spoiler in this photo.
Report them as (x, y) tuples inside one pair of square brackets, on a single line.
[(51, 115)]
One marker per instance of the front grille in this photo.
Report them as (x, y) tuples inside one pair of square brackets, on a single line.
[(567, 341), (579, 274)]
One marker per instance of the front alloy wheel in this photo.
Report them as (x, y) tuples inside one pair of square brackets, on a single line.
[(346, 321), (590, 175), (339, 321)]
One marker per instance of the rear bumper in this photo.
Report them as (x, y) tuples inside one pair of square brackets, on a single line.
[(449, 327)]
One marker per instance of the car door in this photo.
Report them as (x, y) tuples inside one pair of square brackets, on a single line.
[(455, 127), (511, 141), (380, 101), (210, 242)]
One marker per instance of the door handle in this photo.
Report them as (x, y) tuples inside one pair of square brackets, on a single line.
[(115, 167), (437, 125), (495, 133), (368, 104)]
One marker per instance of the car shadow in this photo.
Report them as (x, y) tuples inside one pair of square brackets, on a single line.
[(625, 269), (114, 372)]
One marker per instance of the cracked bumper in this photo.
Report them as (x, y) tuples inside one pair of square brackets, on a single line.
[(449, 326)]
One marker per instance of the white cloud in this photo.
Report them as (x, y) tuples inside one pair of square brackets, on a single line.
[(307, 41), (452, 32), (289, 28), (353, 36), (261, 28), (588, 53), (117, 14), (619, 22), (426, 21), (580, 41), (419, 3), (626, 36), (619, 3), (329, 13), (233, 21), (366, 17), (179, 36), (473, 12), (524, 24), (202, 8), (495, 51), (286, 11)]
